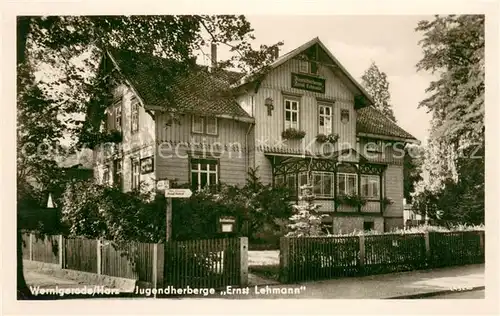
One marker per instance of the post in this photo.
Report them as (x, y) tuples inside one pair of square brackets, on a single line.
[(361, 253), (31, 247), (168, 227), (284, 259), (427, 248), (62, 252), (481, 242), (99, 256), (158, 265), (243, 261)]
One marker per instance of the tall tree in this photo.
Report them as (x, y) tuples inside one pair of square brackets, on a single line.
[(376, 84), (71, 47), (453, 48)]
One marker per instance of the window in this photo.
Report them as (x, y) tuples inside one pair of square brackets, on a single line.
[(289, 181), (325, 119), (291, 114), (135, 116), (117, 173), (197, 124), (322, 183), (105, 176), (304, 66), (204, 172), (118, 116), (136, 174), (347, 184), (211, 125), (370, 186), (204, 125), (368, 225)]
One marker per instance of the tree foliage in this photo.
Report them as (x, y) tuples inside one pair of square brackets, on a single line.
[(453, 48), (69, 48), (375, 82), (306, 221)]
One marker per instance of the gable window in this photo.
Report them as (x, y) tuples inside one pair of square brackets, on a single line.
[(135, 116), (325, 119), (204, 173), (136, 174), (347, 183), (204, 125), (291, 114), (304, 66), (117, 173), (118, 116), (370, 186)]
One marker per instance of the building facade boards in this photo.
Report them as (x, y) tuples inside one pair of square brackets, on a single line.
[(279, 122)]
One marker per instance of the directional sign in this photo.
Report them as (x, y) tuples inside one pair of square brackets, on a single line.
[(163, 185), (178, 193)]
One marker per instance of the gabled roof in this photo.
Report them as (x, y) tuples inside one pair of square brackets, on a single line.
[(198, 91), (294, 53), (372, 122)]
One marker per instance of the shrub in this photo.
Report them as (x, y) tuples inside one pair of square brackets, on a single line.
[(331, 138), (350, 200), (292, 133)]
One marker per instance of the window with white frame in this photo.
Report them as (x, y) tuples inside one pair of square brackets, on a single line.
[(325, 119), (370, 186), (211, 125), (118, 115), (291, 114), (136, 173), (304, 66), (204, 173), (289, 181), (322, 182), (134, 117), (105, 176), (117, 173), (204, 125), (347, 184)]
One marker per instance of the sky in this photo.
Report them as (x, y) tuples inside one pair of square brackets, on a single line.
[(356, 41)]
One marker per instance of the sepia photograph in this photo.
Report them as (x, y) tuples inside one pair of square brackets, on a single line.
[(241, 157)]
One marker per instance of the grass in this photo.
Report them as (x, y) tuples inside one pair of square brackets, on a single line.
[(268, 272)]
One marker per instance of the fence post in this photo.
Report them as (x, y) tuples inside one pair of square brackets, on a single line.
[(243, 261), (99, 256), (284, 259), (31, 247), (481, 241), (62, 251), (158, 265), (361, 253), (427, 248)]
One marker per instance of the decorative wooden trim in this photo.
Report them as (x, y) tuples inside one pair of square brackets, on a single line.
[(327, 100), (291, 94)]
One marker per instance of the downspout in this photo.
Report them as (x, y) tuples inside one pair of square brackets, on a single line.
[(247, 149)]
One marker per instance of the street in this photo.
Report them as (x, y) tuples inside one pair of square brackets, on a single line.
[(479, 294)]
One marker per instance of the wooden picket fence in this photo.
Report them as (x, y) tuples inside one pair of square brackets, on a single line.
[(316, 258), (211, 263)]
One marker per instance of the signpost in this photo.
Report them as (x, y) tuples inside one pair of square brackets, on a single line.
[(169, 194)]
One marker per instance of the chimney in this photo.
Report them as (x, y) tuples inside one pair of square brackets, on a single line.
[(213, 55), (276, 52)]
